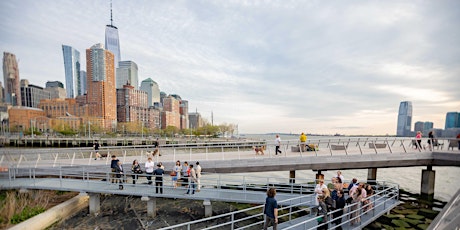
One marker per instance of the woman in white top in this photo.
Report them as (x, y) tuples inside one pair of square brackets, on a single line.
[(319, 190), (149, 167)]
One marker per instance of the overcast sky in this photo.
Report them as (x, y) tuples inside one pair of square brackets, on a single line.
[(269, 66)]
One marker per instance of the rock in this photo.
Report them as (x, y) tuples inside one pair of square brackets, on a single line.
[(400, 223), (415, 217), (423, 226), (413, 222), (430, 214), (388, 227)]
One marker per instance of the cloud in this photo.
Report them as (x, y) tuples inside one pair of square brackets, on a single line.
[(268, 66)]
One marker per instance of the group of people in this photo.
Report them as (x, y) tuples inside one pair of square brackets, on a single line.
[(187, 174), (329, 199), (184, 173)]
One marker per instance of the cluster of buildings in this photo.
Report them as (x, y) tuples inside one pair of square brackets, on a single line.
[(106, 94), (404, 128)]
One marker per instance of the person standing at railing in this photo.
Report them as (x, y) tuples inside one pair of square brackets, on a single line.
[(177, 169), (113, 165), (198, 175), (418, 139), (135, 169), (119, 174), (159, 178), (191, 180), (339, 206), (322, 213), (339, 175), (356, 194), (319, 189), (277, 144), (149, 165), (303, 140), (271, 209)]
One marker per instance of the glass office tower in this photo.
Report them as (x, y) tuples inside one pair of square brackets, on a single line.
[(112, 41), (127, 72), (404, 119), (72, 71), (452, 120)]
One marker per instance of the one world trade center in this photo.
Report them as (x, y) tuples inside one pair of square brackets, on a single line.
[(112, 42)]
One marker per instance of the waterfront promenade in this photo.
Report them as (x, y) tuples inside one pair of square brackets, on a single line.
[(227, 158)]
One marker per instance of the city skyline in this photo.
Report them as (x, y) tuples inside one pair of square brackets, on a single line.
[(273, 67)]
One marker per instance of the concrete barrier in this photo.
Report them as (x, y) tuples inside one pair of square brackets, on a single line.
[(56, 213)]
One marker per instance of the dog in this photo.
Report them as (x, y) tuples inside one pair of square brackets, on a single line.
[(259, 150), (152, 153)]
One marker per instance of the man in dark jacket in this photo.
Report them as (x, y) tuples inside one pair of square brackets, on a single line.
[(158, 178), (339, 205)]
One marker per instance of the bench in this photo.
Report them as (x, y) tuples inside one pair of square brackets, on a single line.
[(377, 146), (338, 147), (453, 143)]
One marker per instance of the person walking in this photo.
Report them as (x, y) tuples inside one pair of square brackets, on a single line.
[(96, 149), (431, 140), (271, 209), (149, 165), (458, 138), (159, 178), (277, 145), (418, 139), (198, 175), (303, 140), (135, 169), (119, 174), (191, 180)]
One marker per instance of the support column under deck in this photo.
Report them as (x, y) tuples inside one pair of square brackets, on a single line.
[(151, 205), (292, 176), (371, 175), (94, 203), (427, 183), (207, 208), (319, 176)]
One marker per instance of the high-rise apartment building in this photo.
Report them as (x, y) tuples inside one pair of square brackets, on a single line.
[(112, 41), (12, 90), (32, 94), (83, 82), (452, 120), (127, 73), (171, 113), (131, 103), (183, 109), (1, 93), (153, 91), (72, 71), (404, 119), (101, 97), (196, 121)]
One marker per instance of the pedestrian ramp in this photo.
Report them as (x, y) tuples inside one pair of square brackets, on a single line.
[(298, 213)]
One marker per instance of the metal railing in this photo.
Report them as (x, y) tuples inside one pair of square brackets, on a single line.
[(290, 211), (55, 157)]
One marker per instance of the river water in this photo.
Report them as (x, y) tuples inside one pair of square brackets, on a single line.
[(408, 178)]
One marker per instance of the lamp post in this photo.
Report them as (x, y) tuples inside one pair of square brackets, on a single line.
[(89, 129)]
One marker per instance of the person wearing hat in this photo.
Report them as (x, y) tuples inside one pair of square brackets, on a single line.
[(158, 178)]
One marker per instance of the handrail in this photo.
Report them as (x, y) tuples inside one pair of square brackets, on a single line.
[(389, 191), (203, 151)]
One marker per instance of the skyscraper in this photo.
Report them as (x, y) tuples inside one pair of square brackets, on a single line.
[(12, 90), (452, 120), (404, 119), (127, 72), (101, 97), (72, 71), (153, 91), (83, 82), (112, 42)]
